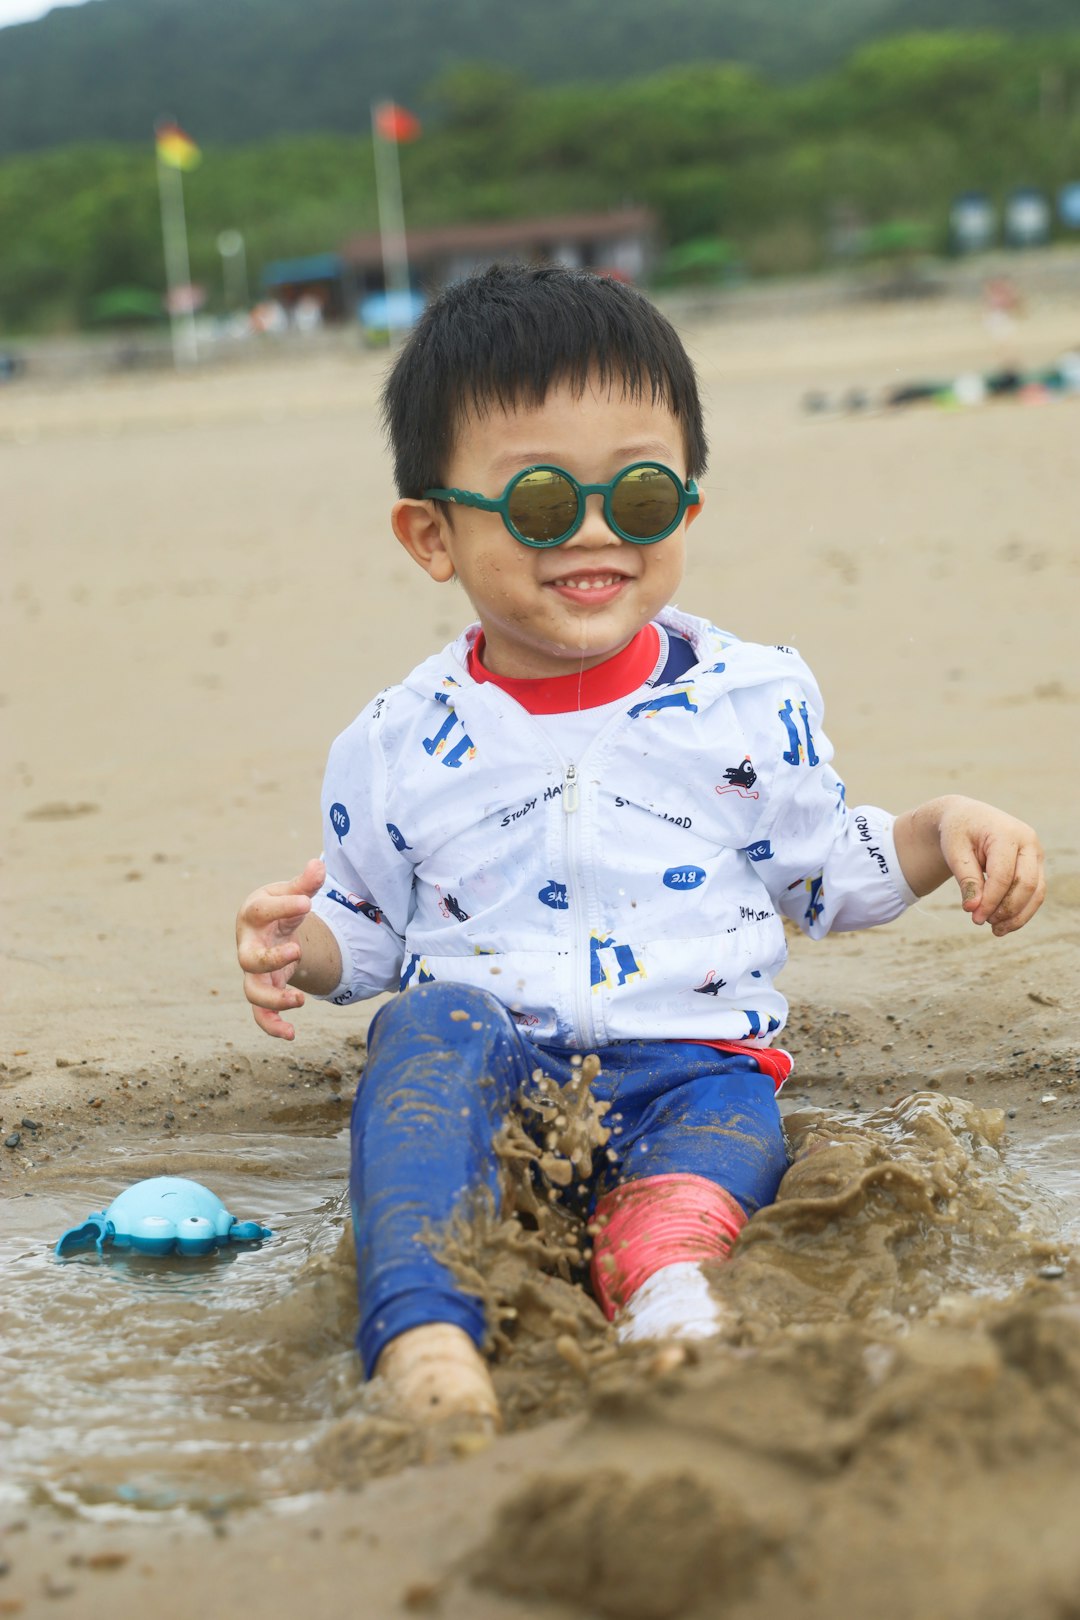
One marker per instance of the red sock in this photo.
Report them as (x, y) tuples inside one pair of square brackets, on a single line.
[(658, 1221)]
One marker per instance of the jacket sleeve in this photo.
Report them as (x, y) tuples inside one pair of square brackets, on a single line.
[(366, 900), (826, 866)]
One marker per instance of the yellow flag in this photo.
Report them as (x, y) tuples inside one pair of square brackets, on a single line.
[(176, 149)]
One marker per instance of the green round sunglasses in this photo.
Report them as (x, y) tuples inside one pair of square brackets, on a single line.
[(544, 505)]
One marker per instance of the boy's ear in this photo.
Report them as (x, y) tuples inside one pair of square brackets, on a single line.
[(694, 512), (419, 526)]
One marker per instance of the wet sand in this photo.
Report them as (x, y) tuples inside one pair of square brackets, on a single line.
[(200, 590)]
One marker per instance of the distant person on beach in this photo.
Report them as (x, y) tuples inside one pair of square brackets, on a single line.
[(1003, 309), (577, 830), (1002, 306)]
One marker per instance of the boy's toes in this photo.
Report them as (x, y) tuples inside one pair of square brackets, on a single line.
[(434, 1373)]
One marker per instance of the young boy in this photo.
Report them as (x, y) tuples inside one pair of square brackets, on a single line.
[(577, 830)]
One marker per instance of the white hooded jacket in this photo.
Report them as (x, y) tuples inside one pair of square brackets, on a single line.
[(634, 892)]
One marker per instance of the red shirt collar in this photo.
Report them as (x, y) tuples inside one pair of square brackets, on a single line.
[(585, 689)]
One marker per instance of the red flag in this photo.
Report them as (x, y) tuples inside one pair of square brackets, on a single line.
[(396, 123)]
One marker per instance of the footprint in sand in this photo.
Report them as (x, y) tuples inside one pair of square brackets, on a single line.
[(61, 810)]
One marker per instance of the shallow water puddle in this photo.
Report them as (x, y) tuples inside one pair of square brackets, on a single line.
[(162, 1382), (1053, 1165), (135, 1383)]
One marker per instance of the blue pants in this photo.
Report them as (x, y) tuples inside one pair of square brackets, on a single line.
[(423, 1128)]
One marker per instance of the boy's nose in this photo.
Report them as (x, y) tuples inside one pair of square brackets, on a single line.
[(594, 529)]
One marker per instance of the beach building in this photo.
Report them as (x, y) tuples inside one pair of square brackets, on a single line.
[(320, 279), (622, 243)]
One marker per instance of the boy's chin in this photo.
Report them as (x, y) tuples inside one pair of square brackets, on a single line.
[(570, 660), (574, 642), (599, 632)]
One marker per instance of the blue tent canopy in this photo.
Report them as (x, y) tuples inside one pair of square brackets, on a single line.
[(294, 272), (392, 311)]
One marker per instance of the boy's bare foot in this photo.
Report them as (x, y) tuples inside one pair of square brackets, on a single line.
[(435, 1373)]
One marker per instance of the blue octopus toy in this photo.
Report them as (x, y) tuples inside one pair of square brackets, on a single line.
[(159, 1216)]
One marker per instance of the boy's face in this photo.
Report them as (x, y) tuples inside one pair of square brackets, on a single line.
[(547, 612)]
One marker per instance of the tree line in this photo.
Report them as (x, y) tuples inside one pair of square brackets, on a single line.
[(247, 70), (720, 153)]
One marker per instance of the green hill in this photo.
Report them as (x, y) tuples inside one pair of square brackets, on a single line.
[(244, 70)]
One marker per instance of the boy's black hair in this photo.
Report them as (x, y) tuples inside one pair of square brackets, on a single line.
[(504, 336)]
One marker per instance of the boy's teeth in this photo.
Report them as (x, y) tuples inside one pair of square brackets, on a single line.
[(589, 582)]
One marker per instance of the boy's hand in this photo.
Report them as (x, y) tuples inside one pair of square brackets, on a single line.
[(267, 949), (996, 859)]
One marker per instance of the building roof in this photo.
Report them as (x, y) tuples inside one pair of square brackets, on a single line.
[(506, 235)]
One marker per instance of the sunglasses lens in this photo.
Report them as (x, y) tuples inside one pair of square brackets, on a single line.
[(645, 502), (543, 505)]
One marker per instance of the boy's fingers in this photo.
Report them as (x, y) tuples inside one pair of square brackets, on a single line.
[(263, 908), (279, 905), (1026, 879), (1024, 898), (1024, 915), (1030, 909), (312, 878), (964, 865), (308, 882), (271, 1024), (261, 991), (256, 957), (1002, 872)]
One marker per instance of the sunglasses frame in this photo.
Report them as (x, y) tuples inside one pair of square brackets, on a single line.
[(688, 496)]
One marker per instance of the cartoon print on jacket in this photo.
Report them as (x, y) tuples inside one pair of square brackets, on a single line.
[(710, 985), (740, 779)]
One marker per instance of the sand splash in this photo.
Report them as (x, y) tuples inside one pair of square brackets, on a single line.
[(874, 1394), (886, 1220), (885, 1217)]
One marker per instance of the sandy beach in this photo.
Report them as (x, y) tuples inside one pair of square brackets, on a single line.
[(200, 590)]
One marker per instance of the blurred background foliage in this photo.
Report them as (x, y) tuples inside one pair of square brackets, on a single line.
[(244, 70), (746, 164)]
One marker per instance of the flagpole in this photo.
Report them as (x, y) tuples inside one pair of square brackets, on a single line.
[(185, 342), (395, 253)]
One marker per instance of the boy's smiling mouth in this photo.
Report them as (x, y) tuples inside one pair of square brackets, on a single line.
[(592, 585)]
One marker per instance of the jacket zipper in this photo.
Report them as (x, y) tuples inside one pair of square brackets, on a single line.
[(580, 971)]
